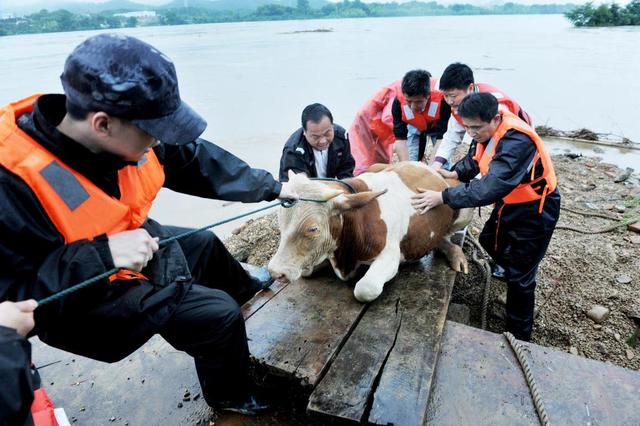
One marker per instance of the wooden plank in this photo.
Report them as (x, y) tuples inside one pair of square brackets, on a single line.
[(346, 389), (577, 390), (479, 381), (261, 298), (145, 388), (403, 392), (303, 326), (387, 364)]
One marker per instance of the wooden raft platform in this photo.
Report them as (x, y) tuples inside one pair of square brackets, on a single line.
[(397, 361), (364, 363), (394, 361)]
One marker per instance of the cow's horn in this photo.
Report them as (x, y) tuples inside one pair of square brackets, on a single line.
[(330, 193)]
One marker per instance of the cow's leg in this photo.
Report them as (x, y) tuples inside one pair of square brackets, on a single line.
[(463, 218), (382, 269), (454, 255)]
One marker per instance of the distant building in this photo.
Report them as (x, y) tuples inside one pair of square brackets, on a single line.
[(142, 14)]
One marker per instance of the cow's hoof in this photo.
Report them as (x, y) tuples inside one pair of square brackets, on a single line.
[(366, 294), (457, 259)]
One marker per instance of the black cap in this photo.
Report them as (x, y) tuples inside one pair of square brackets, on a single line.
[(130, 79)]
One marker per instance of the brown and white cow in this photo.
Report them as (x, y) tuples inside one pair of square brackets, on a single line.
[(376, 226)]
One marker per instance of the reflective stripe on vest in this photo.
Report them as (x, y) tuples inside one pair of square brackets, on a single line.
[(524, 192), (78, 208), (431, 114)]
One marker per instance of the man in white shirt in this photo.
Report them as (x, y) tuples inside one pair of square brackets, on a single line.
[(319, 148)]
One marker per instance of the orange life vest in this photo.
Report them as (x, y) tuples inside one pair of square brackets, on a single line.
[(371, 133), (504, 101), (431, 114), (42, 409), (77, 207), (537, 188)]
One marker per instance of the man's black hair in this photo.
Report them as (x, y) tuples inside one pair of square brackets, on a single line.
[(456, 76), (416, 83), (479, 105), (315, 113), (76, 112)]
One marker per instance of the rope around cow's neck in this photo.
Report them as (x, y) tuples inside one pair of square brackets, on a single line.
[(97, 278), (284, 203)]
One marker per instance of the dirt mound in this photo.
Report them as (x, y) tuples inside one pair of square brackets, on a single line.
[(255, 241), (580, 270)]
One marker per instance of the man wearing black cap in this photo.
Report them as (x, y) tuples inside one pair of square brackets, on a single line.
[(78, 176)]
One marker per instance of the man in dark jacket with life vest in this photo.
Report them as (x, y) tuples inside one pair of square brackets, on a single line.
[(18, 380), (456, 82), (518, 176), (22, 400), (319, 148), (399, 117), (78, 175)]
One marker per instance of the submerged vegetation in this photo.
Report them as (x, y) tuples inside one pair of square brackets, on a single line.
[(63, 20), (605, 15)]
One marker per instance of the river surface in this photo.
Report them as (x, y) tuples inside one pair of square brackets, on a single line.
[(251, 80)]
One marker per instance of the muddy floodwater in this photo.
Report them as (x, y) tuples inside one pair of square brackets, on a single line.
[(251, 80)]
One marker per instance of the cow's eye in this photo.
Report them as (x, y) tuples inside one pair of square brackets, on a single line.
[(312, 230)]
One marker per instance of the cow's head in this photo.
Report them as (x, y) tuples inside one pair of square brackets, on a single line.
[(309, 230)]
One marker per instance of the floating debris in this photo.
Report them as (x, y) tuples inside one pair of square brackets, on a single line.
[(547, 131), (317, 30), (585, 134)]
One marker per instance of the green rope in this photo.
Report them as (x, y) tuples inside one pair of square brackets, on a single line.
[(93, 280)]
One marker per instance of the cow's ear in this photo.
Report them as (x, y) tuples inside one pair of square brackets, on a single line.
[(355, 201)]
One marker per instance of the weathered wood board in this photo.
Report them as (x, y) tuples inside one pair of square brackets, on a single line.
[(303, 326), (260, 299), (383, 373), (478, 381), (145, 388)]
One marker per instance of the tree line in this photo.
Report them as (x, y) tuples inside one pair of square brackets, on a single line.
[(63, 20), (605, 15)]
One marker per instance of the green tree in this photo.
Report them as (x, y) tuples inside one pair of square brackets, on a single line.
[(171, 18), (274, 11), (303, 6), (633, 12), (581, 15)]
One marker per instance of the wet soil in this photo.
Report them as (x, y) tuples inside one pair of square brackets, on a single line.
[(580, 270)]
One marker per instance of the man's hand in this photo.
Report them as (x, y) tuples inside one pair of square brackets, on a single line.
[(426, 200), (288, 192), (436, 165), (18, 315), (447, 174), (132, 249), (400, 148)]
